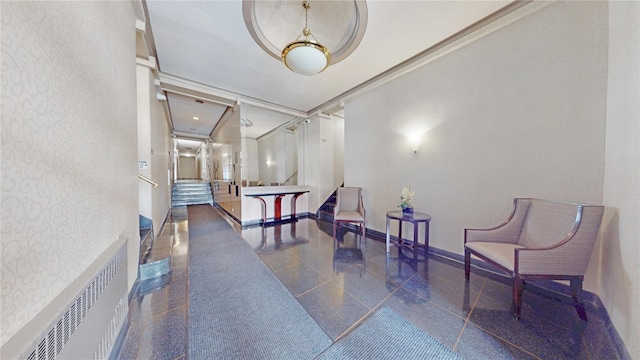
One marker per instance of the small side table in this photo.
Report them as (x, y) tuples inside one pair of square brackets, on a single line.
[(416, 219)]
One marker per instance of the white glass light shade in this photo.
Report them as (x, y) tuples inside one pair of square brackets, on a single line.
[(306, 58)]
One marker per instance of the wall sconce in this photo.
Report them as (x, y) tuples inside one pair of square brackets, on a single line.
[(269, 162), (414, 141)]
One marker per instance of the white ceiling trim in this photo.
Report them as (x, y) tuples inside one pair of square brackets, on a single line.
[(189, 136), (178, 85)]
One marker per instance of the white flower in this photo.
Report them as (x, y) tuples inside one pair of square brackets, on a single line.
[(406, 197)]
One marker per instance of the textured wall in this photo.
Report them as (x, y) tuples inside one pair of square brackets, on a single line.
[(69, 185)]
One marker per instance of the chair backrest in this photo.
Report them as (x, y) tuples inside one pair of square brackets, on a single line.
[(547, 223), (348, 198)]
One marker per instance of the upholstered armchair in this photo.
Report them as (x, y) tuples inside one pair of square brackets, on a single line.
[(540, 240), (349, 208)]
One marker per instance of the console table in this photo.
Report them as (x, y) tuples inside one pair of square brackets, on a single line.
[(277, 203), (416, 219)]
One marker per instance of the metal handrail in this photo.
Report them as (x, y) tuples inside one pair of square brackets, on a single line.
[(290, 177), (142, 177)]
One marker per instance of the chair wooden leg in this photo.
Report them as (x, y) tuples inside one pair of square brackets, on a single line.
[(467, 264), (518, 285), (576, 290), (576, 294)]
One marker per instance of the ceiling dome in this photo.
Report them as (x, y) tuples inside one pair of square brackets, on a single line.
[(339, 25)]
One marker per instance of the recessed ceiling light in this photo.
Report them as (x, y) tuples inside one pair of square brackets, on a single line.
[(196, 118)]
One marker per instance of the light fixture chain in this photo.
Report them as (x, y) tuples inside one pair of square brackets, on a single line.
[(306, 5)]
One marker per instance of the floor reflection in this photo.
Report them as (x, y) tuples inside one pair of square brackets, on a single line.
[(341, 281), (338, 288), (268, 239)]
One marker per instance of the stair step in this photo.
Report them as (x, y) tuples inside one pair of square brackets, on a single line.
[(191, 193), (186, 196), (192, 187), (325, 215), (192, 184)]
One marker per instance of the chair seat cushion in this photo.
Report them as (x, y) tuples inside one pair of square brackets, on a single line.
[(501, 253), (348, 216)]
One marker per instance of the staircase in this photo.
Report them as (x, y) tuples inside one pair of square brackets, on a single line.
[(325, 212), (191, 192)]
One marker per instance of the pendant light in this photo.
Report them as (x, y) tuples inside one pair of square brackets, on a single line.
[(305, 56)]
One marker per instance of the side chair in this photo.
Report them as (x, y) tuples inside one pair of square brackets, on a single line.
[(541, 239), (349, 209)]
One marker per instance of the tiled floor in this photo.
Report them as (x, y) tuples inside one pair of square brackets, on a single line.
[(472, 318)]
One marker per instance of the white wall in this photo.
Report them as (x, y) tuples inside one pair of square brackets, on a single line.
[(520, 112), (619, 287), (154, 147), (317, 148), (271, 158), (69, 171), (187, 167), (338, 150), (290, 157), (161, 162), (250, 169), (144, 85)]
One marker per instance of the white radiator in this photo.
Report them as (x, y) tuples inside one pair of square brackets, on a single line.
[(88, 326)]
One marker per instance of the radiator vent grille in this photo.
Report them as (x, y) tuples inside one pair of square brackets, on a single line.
[(54, 340), (110, 335)]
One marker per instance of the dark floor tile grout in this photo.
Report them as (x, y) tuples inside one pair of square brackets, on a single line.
[(466, 321)]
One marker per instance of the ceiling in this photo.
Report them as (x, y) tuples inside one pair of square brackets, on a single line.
[(205, 52)]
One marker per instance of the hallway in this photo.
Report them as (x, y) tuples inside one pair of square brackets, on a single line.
[(341, 283)]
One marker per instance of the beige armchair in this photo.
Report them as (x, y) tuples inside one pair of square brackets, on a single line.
[(349, 208), (540, 240)]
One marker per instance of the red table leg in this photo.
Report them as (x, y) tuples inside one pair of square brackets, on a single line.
[(294, 198), (277, 207), (263, 205)]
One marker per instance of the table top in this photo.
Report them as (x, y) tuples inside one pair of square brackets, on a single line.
[(271, 193), (415, 216)]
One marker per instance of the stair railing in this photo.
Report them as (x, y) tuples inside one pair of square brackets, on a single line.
[(290, 177), (142, 177)]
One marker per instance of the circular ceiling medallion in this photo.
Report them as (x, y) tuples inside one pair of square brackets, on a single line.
[(339, 25)]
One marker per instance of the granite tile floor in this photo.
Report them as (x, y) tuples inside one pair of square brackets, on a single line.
[(340, 282)]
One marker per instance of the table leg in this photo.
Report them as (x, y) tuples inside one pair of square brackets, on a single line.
[(277, 207), (416, 229), (388, 233), (294, 198), (263, 206), (426, 238)]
